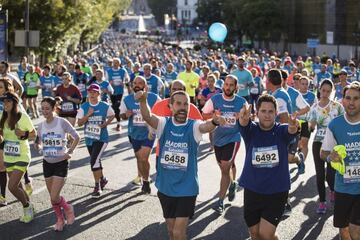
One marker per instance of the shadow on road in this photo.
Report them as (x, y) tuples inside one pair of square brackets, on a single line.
[(106, 207)]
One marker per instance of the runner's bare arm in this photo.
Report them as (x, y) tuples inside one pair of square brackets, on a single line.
[(149, 118)]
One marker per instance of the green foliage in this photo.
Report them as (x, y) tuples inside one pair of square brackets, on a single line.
[(161, 7), (209, 11), (257, 19), (63, 24)]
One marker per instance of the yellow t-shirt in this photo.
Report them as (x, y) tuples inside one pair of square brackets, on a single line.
[(189, 79), (16, 150)]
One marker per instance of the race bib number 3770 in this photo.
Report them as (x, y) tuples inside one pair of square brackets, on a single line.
[(12, 148)]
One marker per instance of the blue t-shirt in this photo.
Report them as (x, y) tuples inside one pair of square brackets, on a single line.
[(283, 100), (177, 162), (309, 97), (256, 89), (316, 67), (347, 134), (117, 76), (137, 128), (219, 83), (103, 85), (91, 129), (244, 79), (81, 81), (168, 78), (266, 167), (57, 80), (152, 83), (48, 82), (320, 76), (339, 91), (230, 131), (207, 93), (293, 94)]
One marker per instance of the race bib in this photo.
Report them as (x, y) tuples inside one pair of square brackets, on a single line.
[(81, 87), (254, 90), (230, 119), (12, 148), (92, 131), (67, 107), (352, 173), (265, 157), (321, 132), (138, 120), (242, 86), (53, 146), (32, 84), (175, 160), (47, 85), (117, 81)]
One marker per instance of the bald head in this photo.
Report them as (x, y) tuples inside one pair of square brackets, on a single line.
[(139, 83), (177, 85)]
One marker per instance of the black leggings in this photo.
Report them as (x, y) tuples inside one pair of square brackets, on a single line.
[(320, 172), (116, 101)]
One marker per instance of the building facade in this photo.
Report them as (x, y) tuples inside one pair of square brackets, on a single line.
[(186, 11)]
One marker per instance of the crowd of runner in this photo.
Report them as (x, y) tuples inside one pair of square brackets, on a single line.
[(170, 97)]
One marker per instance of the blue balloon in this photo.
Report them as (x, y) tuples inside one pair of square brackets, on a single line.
[(218, 32)]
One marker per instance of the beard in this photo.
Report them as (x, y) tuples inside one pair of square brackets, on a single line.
[(180, 116), (228, 93), (136, 89)]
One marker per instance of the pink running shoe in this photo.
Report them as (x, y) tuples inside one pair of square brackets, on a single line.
[(70, 215), (322, 208)]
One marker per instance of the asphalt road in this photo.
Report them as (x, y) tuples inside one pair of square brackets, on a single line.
[(124, 213)]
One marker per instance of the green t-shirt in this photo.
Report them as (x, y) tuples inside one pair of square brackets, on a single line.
[(190, 79), (32, 81), (16, 150)]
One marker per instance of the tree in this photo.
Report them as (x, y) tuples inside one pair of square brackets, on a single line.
[(257, 19), (64, 23)]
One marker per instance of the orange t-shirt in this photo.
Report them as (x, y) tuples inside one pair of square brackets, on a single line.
[(162, 109)]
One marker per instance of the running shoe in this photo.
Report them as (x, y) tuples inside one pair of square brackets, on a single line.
[(287, 210), (118, 128), (322, 208), (59, 225), (103, 183), (232, 192), (3, 201), (219, 208), (332, 196), (301, 165), (146, 187), (29, 188), (97, 191), (28, 214), (137, 181), (69, 214)]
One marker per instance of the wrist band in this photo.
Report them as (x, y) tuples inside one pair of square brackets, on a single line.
[(26, 136)]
